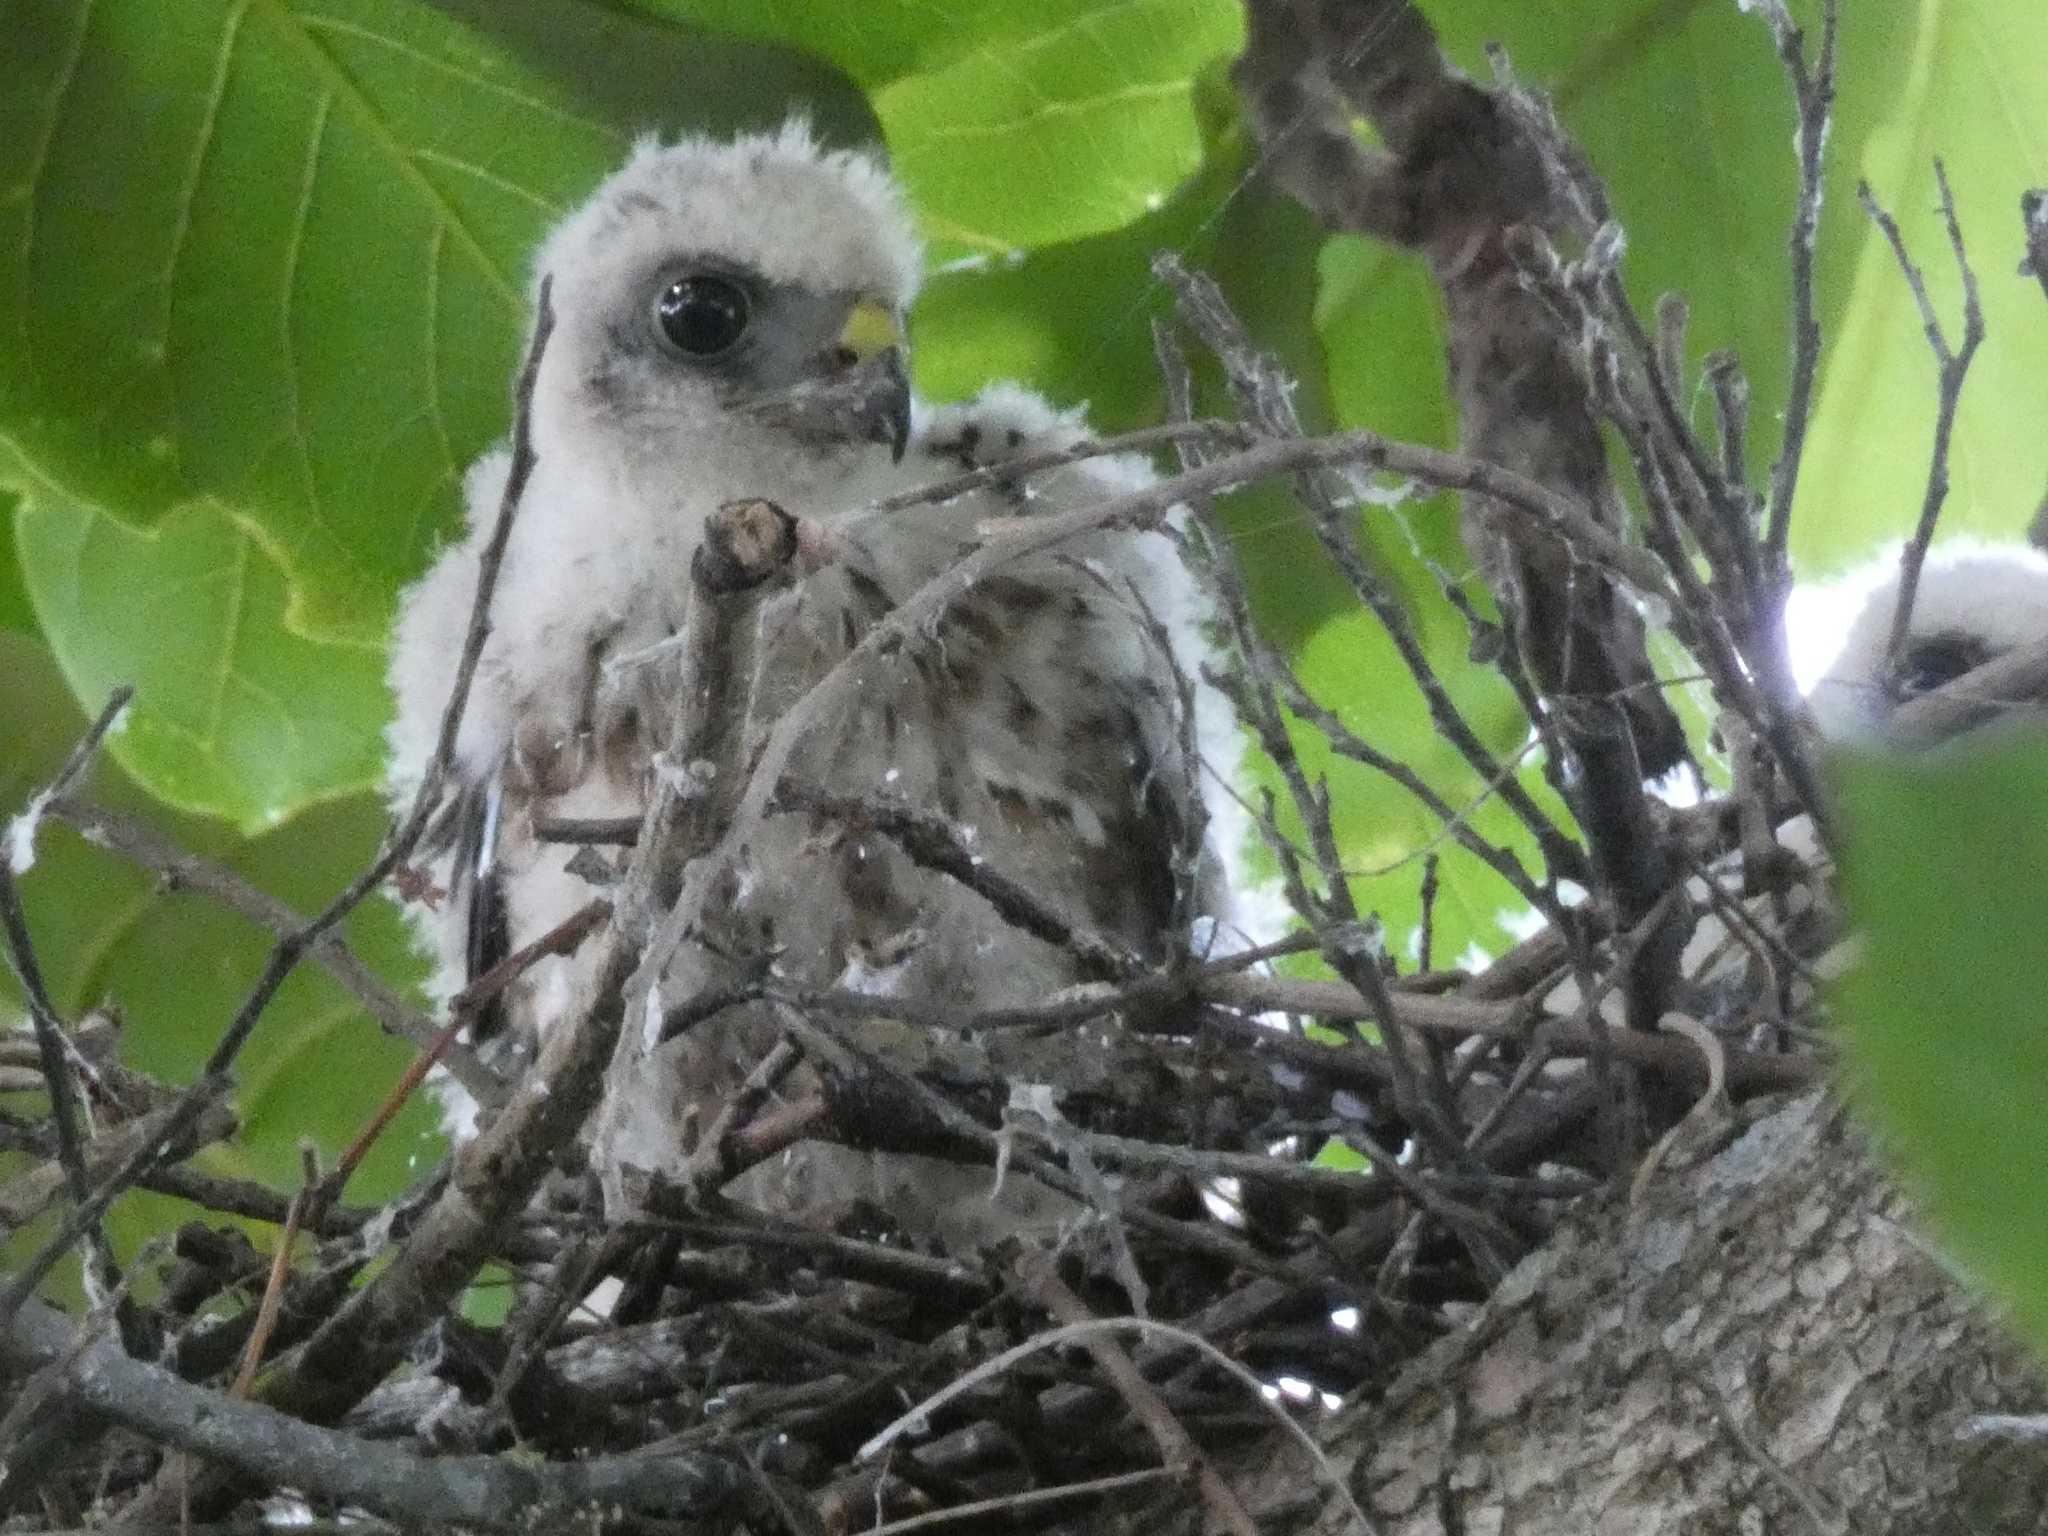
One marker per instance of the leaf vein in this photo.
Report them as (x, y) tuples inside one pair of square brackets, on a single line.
[(188, 196), (294, 249), (1074, 107), (339, 83), (40, 162), (482, 82)]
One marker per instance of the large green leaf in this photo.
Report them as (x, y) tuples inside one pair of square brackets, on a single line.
[(236, 710), (263, 268), (16, 612), (1960, 80), (1015, 126), (179, 966), (1945, 1038)]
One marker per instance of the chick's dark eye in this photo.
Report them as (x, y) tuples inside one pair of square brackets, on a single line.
[(701, 316)]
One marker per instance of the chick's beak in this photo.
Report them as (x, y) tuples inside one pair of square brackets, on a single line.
[(873, 339), (870, 330), (856, 391)]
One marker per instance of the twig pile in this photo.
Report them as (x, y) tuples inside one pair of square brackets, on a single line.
[(758, 1373)]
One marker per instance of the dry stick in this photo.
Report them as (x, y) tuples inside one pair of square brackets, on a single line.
[(494, 1175), (1265, 391), (947, 1282), (1040, 1282), (1260, 390), (1712, 1104), (1426, 931), (488, 1491), (1251, 689), (1053, 1338), (1752, 670), (21, 831), (1220, 982), (57, 1079), (1427, 1187), (2017, 678), (1813, 92), (331, 1376), (41, 1429), (1346, 743), (562, 939), (596, 831), (54, 1075), (1724, 375), (1750, 673), (827, 1043), (1954, 365), (1769, 949), (716, 1161), (1229, 434), (254, 1201), (292, 947), (180, 870), (23, 1197), (1335, 1001), (1585, 1026), (280, 1265), (1016, 1504), (932, 843)]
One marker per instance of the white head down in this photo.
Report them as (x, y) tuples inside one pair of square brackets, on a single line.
[(1975, 602), (728, 302)]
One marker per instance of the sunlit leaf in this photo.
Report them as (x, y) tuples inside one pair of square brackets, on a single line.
[(236, 712), (271, 261), (1964, 84), (1015, 126)]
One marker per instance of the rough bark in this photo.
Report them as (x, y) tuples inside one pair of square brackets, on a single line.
[(1764, 1342)]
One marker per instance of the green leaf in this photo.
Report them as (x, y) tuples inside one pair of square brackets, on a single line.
[(16, 614), (1942, 1016), (1338, 1153), (237, 712), (1015, 126), (179, 966), (1961, 81), (269, 262)]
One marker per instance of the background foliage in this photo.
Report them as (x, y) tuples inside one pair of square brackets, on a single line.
[(262, 276)]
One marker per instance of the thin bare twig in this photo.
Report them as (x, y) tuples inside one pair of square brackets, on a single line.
[(920, 1413), (1016, 1504), (181, 870), (1953, 363), (280, 1266), (51, 1048), (212, 1079), (327, 1464), (1813, 93), (929, 842), (1221, 434), (1041, 1283)]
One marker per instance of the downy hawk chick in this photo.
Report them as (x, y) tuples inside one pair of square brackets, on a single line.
[(1975, 602), (702, 296)]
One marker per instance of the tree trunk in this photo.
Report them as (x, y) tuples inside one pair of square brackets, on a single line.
[(1762, 1343)]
